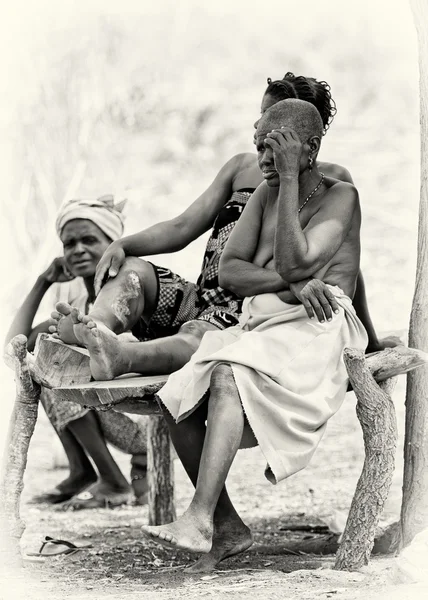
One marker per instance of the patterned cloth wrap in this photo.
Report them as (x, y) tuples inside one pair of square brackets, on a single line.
[(181, 301)]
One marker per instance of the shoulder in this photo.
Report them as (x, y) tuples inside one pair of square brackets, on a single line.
[(336, 171), (343, 194), (235, 165), (243, 160)]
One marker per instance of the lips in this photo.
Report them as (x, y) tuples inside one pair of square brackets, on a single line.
[(269, 174), (82, 263)]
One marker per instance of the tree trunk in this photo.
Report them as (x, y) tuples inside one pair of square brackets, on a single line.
[(160, 472), (376, 414), (414, 510), (22, 423)]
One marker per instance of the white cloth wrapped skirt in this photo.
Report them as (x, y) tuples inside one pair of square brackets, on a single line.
[(289, 371)]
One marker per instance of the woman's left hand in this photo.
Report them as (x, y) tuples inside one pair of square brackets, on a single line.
[(316, 297)]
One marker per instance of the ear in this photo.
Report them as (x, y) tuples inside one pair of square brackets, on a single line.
[(314, 145)]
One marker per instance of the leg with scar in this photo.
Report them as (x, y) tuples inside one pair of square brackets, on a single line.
[(211, 524), (122, 301)]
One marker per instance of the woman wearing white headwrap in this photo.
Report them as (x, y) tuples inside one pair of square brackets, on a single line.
[(86, 227)]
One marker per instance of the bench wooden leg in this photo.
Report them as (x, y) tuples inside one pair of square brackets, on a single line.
[(376, 413), (21, 428), (160, 472)]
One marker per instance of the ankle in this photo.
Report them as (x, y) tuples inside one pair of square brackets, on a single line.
[(201, 513)]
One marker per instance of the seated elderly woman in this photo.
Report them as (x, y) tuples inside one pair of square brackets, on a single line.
[(86, 227), (175, 313), (278, 376)]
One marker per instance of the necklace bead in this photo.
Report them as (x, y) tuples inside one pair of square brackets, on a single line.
[(313, 192)]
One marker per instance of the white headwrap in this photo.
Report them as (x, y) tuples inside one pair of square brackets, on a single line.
[(102, 211)]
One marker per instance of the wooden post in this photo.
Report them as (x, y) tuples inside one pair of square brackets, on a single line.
[(160, 472), (414, 510), (376, 414), (21, 429)]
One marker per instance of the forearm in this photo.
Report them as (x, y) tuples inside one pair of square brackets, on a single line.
[(23, 321), (246, 279), (291, 247), (162, 238)]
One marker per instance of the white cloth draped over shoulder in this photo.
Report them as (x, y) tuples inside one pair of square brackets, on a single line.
[(289, 371)]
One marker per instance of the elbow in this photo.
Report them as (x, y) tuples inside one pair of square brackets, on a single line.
[(180, 235), (290, 274), (224, 280), (226, 274)]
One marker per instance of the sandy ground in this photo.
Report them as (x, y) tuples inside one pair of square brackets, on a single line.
[(122, 564)]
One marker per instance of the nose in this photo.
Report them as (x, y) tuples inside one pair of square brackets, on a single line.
[(256, 123), (266, 158), (79, 248)]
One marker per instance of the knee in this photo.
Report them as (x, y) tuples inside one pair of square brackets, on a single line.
[(191, 334), (134, 266), (135, 275), (222, 380)]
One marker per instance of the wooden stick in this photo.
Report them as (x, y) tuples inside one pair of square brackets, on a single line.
[(376, 413), (21, 427), (160, 472), (414, 509)]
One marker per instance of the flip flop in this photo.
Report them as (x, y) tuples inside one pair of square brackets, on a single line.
[(53, 497), (50, 547), (87, 499)]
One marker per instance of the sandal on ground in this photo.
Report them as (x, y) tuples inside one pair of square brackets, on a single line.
[(54, 547), (95, 499)]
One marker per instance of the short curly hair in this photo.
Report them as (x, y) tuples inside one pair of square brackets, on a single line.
[(309, 89)]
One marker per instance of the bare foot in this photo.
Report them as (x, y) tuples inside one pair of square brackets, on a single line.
[(230, 538), (106, 355), (61, 324), (187, 533)]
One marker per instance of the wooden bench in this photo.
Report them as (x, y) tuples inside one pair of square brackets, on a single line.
[(55, 366)]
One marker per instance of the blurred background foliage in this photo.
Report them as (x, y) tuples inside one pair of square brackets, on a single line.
[(149, 100)]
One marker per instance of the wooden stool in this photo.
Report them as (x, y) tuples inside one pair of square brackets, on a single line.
[(372, 378)]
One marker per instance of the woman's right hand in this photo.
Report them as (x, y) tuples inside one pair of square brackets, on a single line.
[(57, 272), (109, 265)]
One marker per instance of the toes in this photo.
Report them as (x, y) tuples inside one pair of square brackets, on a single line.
[(85, 319), (56, 316), (53, 328), (56, 336), (76, 316), (64, 308)]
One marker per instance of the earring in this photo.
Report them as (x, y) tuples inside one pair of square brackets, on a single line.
[(311, 163)]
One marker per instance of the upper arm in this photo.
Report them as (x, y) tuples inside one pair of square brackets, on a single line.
[(201, 214), (243, 241), (328, 228)]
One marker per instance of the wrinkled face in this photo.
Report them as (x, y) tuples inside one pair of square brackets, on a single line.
[(84, 244), (267, 102), (266, 159)]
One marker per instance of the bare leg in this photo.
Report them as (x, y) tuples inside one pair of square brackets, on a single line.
[(120, 304), (111, 481), (110, 357), (81, 474), (225, 425), (231, 535)]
